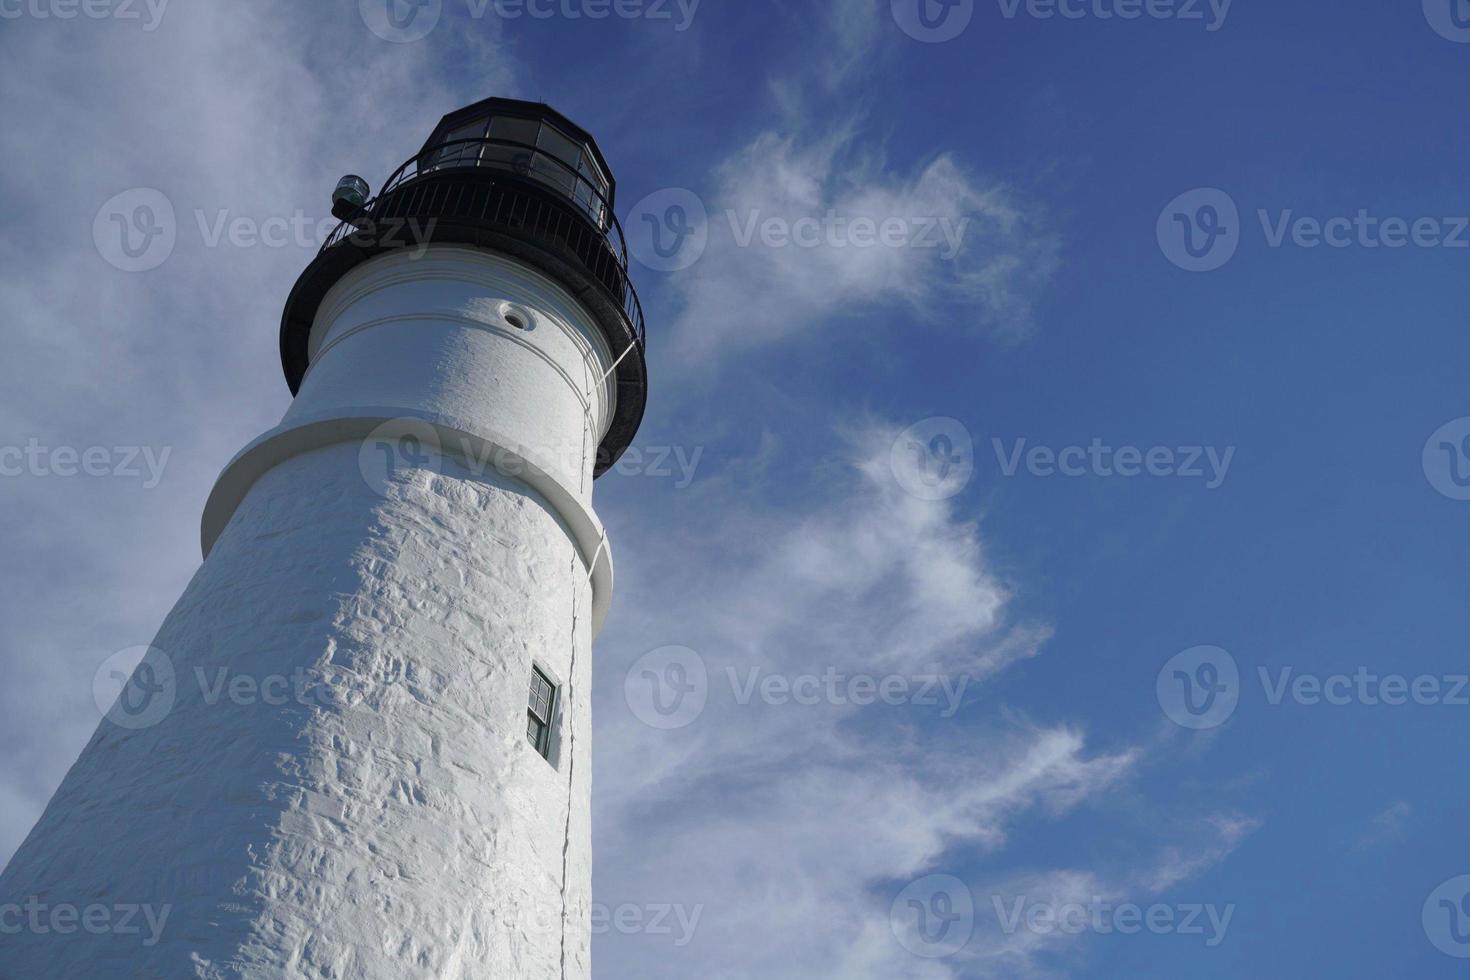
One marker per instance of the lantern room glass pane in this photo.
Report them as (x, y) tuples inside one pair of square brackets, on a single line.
[(517, 129), (559, 145), (558, 161), (593, 172), (592, 188), (558, 166), (550, 171), (463, 154)]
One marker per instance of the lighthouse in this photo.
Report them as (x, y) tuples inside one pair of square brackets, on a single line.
[(359, 746)]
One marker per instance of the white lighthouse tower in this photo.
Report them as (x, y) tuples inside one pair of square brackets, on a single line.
[(358, 748)]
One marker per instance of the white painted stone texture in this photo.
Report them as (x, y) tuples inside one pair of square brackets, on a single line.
[(343, 787)]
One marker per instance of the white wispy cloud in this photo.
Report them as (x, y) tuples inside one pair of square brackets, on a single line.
[(1387, 827), (971, 256), (790, 826), (233, 111), (976, 254), (1221, 835), (785, 822), (1007, 946)]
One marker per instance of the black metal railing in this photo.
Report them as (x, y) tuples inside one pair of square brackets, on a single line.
[(589, 228)]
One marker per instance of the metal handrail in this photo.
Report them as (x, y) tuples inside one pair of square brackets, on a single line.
[(423, 163)]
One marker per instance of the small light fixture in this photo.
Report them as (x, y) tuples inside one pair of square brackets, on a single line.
[(350, 197)]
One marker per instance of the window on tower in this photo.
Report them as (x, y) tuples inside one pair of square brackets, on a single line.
[(541, 712)]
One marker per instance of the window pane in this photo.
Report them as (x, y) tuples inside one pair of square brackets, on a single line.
[(475, 130), (589, 202), (593, 172), (470, 130), (516, 128), (559, 145), (511, 158), (464, 154), (551, 172), (538, 716)]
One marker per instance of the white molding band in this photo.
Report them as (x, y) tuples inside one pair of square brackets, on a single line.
[(306, 435)]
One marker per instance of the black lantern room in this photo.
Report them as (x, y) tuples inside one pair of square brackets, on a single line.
[(528, 139), (510, 176)]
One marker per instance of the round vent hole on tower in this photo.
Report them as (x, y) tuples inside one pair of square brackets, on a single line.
[(516, 317)]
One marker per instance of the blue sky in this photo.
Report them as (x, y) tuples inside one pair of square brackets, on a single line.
[(795, 836)]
